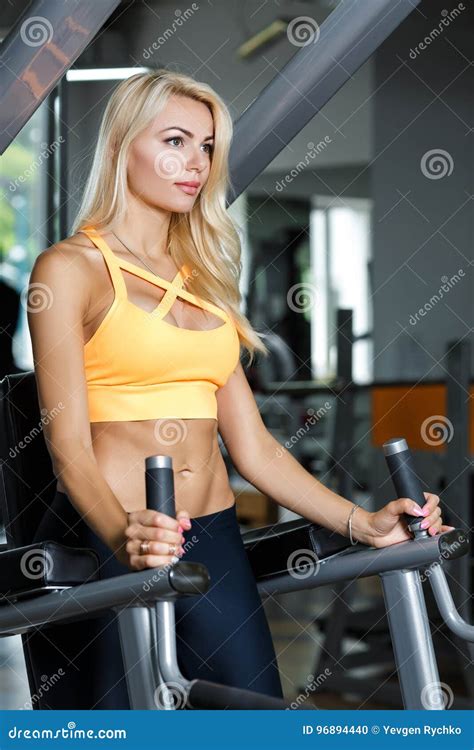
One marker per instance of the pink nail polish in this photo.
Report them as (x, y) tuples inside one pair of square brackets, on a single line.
[(424, 524), (180, 529)]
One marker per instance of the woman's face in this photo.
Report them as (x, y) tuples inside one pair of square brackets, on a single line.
[(175, 148)]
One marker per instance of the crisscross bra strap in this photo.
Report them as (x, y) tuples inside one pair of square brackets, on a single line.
[(111, 261)]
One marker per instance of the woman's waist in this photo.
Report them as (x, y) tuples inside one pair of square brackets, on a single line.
[(200, 476), (184, 439)]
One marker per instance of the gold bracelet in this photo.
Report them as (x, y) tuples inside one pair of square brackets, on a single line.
[(349, 523)]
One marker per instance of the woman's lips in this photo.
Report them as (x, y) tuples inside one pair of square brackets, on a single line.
[(187, 188)]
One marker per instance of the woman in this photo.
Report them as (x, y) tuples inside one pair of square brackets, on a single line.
[(139, 344)]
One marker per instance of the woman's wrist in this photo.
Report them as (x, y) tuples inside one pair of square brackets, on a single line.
[(361, 525)]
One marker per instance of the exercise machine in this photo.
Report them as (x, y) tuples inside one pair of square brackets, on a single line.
[(36, 578)]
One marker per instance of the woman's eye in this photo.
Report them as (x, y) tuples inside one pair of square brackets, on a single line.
[(208, 146)]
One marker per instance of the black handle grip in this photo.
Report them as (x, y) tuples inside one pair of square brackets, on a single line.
[(213, 696), (402, 470), (159, 484)]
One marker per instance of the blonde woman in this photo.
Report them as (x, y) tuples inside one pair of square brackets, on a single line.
[(140, 345)]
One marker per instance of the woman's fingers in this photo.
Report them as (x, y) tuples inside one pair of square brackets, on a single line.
[(140, 562), (431, 499), (184, 519), (432, 519), (133, 547), (145, 527)]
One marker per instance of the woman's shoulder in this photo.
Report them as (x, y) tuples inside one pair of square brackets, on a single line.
[(76, 249)]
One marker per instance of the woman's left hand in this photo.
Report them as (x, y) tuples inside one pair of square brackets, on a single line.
[(387, 525)]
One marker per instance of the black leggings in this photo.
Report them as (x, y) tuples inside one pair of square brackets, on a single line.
[(222, 636)]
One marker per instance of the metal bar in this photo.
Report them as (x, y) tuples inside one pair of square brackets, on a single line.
[(50, 172), (166, 629), (39, 49), (446, 605), (348, 37), (412, 641), (344, 427), (63, 156), (136, 644), (361, 562), (458, 476), (336, 386), (82, 601)]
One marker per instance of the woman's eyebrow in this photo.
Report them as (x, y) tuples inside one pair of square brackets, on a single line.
[(186, 132)]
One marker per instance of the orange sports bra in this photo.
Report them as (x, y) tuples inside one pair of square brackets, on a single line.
[(138, 366)]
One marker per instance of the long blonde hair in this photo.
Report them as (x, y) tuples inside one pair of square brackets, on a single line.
[(205, 238)]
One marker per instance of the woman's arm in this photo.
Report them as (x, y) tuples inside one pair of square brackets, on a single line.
[(57, 304), (271, 468)]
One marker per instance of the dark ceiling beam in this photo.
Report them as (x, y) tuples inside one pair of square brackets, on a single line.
[(38, 50), (345, 40)]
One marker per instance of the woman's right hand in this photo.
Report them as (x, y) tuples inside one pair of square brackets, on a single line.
[(160, 531)]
